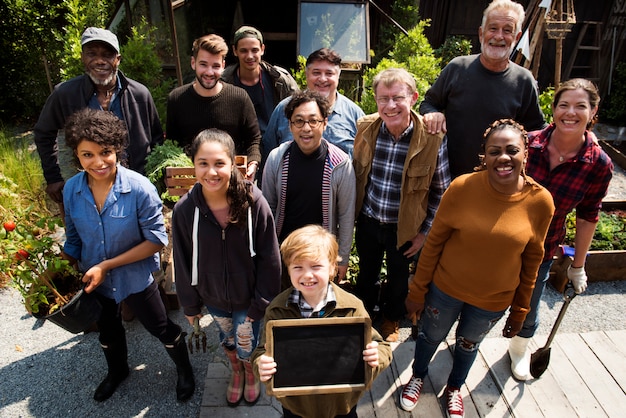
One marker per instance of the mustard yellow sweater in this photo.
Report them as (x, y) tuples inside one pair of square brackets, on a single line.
[(485, 247)]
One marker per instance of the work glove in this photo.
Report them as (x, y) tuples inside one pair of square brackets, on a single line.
[(578, 277), (512, 328)]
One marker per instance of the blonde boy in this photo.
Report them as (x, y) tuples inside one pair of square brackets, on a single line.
[(311, 256)]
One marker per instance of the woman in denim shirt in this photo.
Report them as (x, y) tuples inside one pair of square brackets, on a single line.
[(114, 228)]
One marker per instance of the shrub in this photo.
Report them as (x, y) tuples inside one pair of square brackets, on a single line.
[(615, 108), (412, 53), (453, 46), (545, 102)]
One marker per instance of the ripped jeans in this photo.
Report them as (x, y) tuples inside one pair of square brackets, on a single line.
[(236, 332), (440, 313)]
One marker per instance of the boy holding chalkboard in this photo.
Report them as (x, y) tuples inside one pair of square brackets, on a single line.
[(311, 256)]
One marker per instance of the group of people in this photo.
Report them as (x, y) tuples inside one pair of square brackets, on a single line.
[(480, 220)]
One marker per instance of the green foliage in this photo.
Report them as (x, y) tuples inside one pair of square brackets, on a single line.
[(141, 63), (610, 231), (615, 108), (25, 44), (169, 154), (412, 53), (21, 177), (405, 13), (545, 102), (30, 260), (79, 16), (453, 46), (299, 73)]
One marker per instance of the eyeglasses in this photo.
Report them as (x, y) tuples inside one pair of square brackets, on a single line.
[(385, 100), (313, 123)]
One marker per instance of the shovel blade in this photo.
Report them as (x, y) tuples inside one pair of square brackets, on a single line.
[(539, 361)]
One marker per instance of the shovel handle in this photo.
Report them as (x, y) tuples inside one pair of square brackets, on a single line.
[(568, 295)]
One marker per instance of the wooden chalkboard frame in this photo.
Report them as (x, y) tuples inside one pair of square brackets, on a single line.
[(301, 349)]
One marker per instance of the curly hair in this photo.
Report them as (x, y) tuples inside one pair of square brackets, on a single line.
[(497, 126), (239, 193), (99, 126)]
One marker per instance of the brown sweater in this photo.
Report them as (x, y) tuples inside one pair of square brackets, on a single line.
[(485, 247), (231, 110)]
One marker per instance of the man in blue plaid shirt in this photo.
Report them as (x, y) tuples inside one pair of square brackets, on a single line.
[(401, 174)]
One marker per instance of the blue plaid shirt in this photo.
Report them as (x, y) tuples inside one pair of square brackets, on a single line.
[(382, 195), (308, 311)]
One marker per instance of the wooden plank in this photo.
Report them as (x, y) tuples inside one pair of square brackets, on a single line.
[(618, 337), (484, 391), (515, 394), (611, 357), (546, 392), (562, 371), (601, 384), (428, 405)]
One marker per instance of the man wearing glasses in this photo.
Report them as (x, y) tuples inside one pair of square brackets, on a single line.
[(322, 71), (309, 180), (401, 174)]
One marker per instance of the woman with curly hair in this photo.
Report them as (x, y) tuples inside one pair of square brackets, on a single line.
[(226, 255), (114, 231), (480, 259)]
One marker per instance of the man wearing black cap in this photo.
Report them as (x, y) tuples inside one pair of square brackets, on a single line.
[(101, 87)]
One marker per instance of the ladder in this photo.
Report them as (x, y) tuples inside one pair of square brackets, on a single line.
[(586, 65)]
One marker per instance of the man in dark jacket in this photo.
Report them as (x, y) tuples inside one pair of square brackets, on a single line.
[(266, 84), (101, 87)]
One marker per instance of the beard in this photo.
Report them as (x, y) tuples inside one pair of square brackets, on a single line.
[(207, 85), (495, 53), (106, 82)]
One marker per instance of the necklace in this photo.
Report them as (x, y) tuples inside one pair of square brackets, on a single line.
[(562, 156)]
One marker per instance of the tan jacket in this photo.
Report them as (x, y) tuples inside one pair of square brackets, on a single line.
[(419, 167)]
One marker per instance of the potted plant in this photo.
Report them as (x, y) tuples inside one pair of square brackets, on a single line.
[(30, 258)]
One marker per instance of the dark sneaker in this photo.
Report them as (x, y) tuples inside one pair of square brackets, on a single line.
[(454, 402), (411, 393)]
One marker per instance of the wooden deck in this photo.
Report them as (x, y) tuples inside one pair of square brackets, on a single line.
[(586, 378)]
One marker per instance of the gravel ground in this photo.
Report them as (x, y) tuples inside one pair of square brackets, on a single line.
[(46, 371)]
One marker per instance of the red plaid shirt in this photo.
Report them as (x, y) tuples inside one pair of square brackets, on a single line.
[(579, 183)]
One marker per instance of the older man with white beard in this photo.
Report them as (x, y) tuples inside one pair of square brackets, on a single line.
[(475, 90), (103, 87)]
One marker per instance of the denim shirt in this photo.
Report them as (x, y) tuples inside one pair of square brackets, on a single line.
[(340, 131), (132, 213)]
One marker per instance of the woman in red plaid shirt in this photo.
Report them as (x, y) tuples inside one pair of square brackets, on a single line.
[(566, 159)]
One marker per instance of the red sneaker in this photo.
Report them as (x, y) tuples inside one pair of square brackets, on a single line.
[(454, 402), (411, 393)]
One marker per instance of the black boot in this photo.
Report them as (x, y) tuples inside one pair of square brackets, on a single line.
[(185, 386), (116, 356)]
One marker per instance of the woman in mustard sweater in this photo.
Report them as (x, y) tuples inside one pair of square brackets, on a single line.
[(480, 258)]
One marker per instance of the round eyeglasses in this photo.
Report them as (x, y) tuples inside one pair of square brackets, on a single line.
[(313, 123)]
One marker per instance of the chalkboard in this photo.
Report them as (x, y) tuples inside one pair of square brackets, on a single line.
[(318, 355)]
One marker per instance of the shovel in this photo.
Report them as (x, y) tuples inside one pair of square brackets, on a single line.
[(540, 359)]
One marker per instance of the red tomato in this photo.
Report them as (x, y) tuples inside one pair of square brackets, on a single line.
[(9, 226), (21, 254)]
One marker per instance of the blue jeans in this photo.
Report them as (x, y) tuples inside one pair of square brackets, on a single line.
[(235, 332), (531, 323), (440, 313)]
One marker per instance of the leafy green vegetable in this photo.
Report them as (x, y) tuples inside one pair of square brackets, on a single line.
[(610, 231), (169, 154)]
